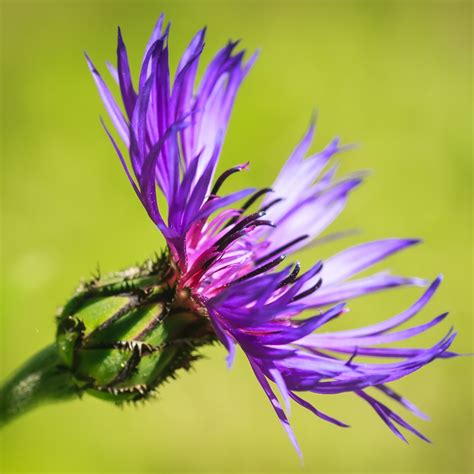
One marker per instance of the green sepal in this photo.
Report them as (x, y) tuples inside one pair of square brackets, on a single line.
[(123, 335), (119, 338)]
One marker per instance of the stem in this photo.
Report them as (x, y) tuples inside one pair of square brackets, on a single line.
[(40, 380)]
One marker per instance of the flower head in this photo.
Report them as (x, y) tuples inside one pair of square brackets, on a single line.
[(228, 249)]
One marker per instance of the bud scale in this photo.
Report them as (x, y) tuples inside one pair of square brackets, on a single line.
[(123, 335)]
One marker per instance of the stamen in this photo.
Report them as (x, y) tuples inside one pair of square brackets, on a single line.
[(248, 203), (223, 243), (308, 291), (271, 204), (239, 230), (240, 225), (292, 276), (254, 197), (220, 180), (352, 357), (282, 248), (316, 269), (261, 269), (231, 237), (334, 236), (262, 222), (247, 221), (207, 264)]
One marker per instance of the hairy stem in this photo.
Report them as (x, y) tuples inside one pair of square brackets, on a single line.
[(40, 380)]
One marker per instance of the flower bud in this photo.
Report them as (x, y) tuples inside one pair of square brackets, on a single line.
[(123, 335)]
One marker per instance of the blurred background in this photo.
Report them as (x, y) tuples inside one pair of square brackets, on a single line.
[(391, 76)]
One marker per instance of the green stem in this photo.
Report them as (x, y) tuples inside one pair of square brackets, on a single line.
[(40, 380)]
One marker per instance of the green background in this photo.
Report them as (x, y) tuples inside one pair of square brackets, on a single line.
[(394, 77)]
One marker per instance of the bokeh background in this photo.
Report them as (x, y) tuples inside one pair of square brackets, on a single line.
[(393, 77)]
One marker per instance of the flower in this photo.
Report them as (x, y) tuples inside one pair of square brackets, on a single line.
[(228, 257)]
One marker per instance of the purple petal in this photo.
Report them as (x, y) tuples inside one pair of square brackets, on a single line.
[(112, 108), (386, 419), (155, 36), (327, 342), (292, 334), (276, 406), (329, 294), (388, 415), (113, 72), (122, 160), (392, 322), (358, 258), (124, 76), (280, 383), (403, 401), (312, 215), (317, 412)]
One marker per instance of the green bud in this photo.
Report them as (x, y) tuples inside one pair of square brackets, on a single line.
[(122, 336)]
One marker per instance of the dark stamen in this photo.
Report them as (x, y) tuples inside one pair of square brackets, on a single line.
[(261, 269), (207, 264), (236, 235), (282, 248), (262, 222), (334, 236), (255, 196), (220, 180), (240, 225), (292, 276), (248, 203), (353, 356), (239, 230), (223, 243), (271, 204), (308, 291), (231, 237), (317, 268)]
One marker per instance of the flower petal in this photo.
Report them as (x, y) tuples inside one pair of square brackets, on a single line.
[(355, 259)]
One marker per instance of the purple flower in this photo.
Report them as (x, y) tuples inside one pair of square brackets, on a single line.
[(228, 249)]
